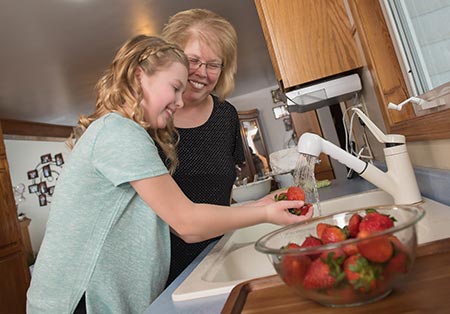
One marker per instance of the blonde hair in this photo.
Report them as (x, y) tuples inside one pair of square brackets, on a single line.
[(119, 86), (213, 30)]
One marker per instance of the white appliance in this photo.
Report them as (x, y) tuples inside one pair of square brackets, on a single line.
[(323, 93)]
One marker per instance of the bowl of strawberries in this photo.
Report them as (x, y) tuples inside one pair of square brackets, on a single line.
[(346, 259)]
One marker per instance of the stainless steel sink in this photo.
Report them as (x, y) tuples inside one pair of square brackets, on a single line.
[(234, 258)]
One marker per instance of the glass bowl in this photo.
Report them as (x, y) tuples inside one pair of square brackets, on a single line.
[(360, 269)]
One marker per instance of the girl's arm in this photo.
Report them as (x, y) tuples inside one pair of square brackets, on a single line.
[(198, 222)]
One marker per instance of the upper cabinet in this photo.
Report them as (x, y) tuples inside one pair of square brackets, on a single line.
[(308, 39)]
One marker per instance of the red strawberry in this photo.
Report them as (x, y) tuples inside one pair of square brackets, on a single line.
[(350, 249), (398, 245), (300, 211), (320, 228), (360, 273), (294, 267), (353, 225), (323, 273), (311, 241), (281, 197), (336, 254), (305, 208), (378, 250), (374, 221), (295, 193), (398, 264), (333, 234)]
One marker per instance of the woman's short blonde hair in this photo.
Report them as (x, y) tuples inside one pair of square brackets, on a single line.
[(119, 88), (213, 30)]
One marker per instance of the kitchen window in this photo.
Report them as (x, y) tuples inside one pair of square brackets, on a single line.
[(422, 32)]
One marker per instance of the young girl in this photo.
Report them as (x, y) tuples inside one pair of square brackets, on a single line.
[(107, 238)]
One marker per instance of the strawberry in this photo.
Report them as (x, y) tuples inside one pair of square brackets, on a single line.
[(320, 227), (353, 225), (398, 245), (302, 210), (333, 234), (323, 273), (336, 254), (294, 267), (305, 208), (311, 241), (398, 264), (360, 273), (280, 197), (378, 250), (350, 249), (295, 193), (374, 222)]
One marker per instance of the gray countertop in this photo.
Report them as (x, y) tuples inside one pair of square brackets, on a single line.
[(214, 304)]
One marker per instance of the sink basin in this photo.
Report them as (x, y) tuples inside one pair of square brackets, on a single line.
[(234, 258)]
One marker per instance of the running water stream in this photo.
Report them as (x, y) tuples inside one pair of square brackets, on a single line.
[(304, 178)]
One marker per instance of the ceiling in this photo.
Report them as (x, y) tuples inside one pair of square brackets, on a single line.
[(54, 51)]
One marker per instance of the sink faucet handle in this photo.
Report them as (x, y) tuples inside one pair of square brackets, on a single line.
[(380, 136)]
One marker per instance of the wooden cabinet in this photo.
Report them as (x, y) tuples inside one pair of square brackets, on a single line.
[(308, 39), (308, 122), (389, 84), (26, 241), (14, 273)]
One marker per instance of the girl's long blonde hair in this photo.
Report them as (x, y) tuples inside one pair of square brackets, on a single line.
[(119, 86)]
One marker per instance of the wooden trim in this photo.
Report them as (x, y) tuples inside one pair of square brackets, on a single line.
[(248, 114), (35, 129), (388, 79)]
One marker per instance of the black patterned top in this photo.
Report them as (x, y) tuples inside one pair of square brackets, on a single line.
[(206, 172)]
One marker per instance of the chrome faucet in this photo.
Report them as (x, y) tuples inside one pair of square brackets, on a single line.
[(399, 180)]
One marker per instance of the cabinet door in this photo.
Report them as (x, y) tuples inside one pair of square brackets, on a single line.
[(308, 122), (14, 273), (9, 231), (14, 283), (308, 39)]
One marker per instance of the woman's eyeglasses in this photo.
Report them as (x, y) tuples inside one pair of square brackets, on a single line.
[(211, 67)]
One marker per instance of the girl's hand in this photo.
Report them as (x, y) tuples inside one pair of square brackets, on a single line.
[(278, 212), (268, 199)]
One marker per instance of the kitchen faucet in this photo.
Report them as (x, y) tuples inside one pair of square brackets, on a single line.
[(399, 180)]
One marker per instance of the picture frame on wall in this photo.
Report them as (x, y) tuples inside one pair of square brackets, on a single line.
[(43, 187), (59, 159), (47, 171), (32, 174), (50, 190), (46, 158), (34, 188), (42, 200)]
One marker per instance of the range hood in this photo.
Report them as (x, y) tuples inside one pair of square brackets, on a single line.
[(323, 94)]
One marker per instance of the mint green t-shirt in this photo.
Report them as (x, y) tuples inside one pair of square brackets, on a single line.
[(101, 238)]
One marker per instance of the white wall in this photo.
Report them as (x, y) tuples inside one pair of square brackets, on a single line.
[(24, 155)]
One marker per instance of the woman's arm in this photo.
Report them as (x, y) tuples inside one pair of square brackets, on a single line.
[(197, 222)]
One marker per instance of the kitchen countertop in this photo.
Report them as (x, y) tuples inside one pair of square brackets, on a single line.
[(214, 304)]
